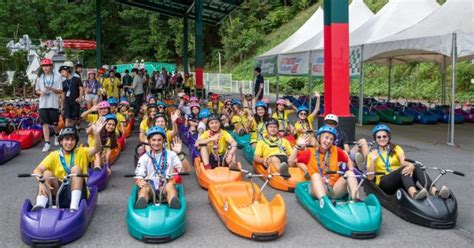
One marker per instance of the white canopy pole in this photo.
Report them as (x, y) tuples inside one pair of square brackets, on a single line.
[(310, 86), (389, 78), (453, 86), (278, 86), (361, 89), (443, 81)]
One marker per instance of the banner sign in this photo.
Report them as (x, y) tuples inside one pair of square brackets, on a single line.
[(293, 64)]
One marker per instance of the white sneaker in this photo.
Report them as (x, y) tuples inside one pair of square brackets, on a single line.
[(46, 147), (56, 141)]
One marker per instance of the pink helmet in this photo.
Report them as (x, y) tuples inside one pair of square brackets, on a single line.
[(194, 105), (125, 103), (103, 104), (265, 100), (46, 61), (194, 99), (91, 71), (281, 101)]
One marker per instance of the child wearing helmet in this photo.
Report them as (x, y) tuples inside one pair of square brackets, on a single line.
[(192, 119), (271, 149), (215, 105), (257, 128), (214, 144), (326, 157), (158, 162), (160, 120), (282, 110), (122, 122), (203, 119), (389, 158), (108, 140), (69, 159), (93, 114), (304, 124), (240, 118), (342, 141), (147, 122)]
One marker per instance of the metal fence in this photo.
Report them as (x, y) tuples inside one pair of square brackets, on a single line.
[(223, 84)]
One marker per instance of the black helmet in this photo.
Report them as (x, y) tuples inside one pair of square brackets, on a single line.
[(213, 117), (68, 131), (271, 121)]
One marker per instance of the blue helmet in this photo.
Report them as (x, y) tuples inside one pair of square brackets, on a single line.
[(123, 98), (112, 101), (205, 113), (156, 130), (161, 103), (111, 117), (236, 102), (327, 129), (381, 127), (302, 108), (260, 104)]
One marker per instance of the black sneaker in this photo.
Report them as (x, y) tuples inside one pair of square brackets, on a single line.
[(284, 170), (141, 203), (307, 176), (98, 169), (175, 203)]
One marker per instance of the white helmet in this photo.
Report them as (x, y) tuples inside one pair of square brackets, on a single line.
[(331, 117), (68, 64)]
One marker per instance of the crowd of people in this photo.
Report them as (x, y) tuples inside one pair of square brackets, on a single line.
[(213, 119)]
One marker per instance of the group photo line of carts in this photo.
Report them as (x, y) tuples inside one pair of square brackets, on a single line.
[(238, 201)]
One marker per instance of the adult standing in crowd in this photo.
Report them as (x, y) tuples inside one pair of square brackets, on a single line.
[(127, 80), (259, 83), (49, 88), (78, 71), (111, 85), (72, 94), (92, 88), (137, 87)]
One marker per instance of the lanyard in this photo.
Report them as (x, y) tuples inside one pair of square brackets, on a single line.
[(48, 83), (68, 83), (282, 119), (327, 157), (278, 143), (215, 148), (160, 167), (63, 161), (385, 161), (304, 125), (260, 130)]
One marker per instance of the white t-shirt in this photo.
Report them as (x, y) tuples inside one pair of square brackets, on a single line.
[(146, 169), (202, 126), (50, 99)]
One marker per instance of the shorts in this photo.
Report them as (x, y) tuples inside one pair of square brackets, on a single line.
[(72, 110), (282, 158), (49, 116), (214, 161), (65, 195), (92, 97)]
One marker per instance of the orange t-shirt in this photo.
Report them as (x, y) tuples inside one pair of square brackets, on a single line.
[(336, 155)]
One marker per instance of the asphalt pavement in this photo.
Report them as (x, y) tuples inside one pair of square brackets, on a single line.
[(204, 228)]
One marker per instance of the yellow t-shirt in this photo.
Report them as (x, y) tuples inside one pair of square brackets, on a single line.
[(240, 121), (257, 129), (282, 118), (52, 162), (215, 106), (92, 118), (380, 164), (144, 125), (267, 147), (223, 142), (189, 82), (298, 125), (111, 87)]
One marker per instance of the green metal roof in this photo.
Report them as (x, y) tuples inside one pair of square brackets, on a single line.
[(214, 10)]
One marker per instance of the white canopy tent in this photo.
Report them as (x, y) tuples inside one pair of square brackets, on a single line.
[(359, 14), (308, 37), (394, 17), (313, 25), (448, 33)]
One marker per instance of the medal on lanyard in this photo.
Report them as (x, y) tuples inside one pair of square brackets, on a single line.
[(326, 158), (63, 161), (160, 167), (385, 161)]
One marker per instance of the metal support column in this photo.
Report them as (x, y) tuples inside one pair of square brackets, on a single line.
[(98, 33), (361, 89), (185, 44), (199, 37), (453, 87), (389, 79)]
